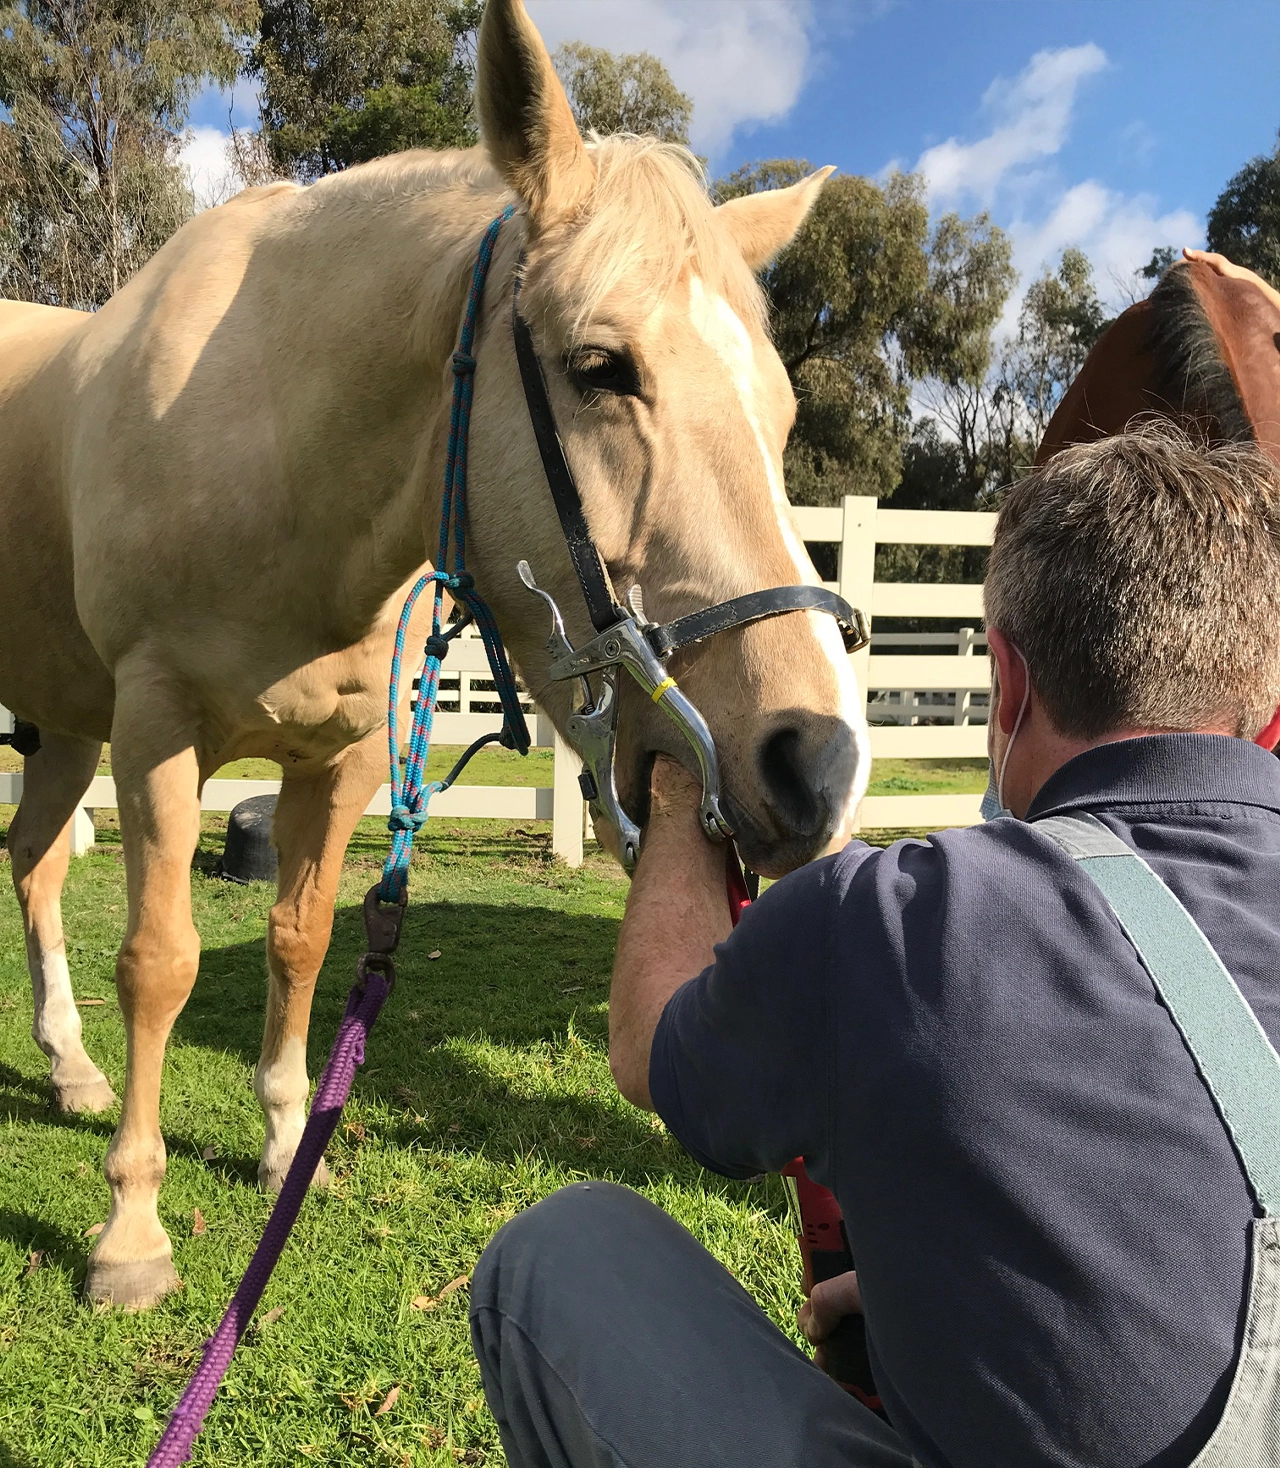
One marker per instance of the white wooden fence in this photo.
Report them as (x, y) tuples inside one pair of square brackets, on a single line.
[(946, 690), (899, 685)]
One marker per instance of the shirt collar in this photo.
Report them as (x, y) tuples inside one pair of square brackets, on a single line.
[(1163, 769)]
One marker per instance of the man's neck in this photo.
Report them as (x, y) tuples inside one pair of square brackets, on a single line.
[(1040, 751)]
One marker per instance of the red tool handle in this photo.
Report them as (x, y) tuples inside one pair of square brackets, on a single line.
[(824, 1244)]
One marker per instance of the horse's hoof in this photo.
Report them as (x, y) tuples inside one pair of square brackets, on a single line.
[(91, 1096), (271, 1179), (127, 1285)]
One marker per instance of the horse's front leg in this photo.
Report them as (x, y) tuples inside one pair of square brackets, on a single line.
[(314, 819), (157, 785)]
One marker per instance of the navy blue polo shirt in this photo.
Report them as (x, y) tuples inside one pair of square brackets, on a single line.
[(1049, 1221)]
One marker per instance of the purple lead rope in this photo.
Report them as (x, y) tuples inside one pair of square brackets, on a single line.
[(384, 904), (363, 1004)]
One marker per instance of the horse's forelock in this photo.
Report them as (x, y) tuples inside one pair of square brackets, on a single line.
[(647, 223)]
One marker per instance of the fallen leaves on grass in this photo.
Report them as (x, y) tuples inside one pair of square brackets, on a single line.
[(94, 1230), (88, 1000), (389, 1401), (573, 989), (209, 1153), (198, 1225), (355, 1130), (429, 1302), (34, 1260), (272, 1316), (435, 953)]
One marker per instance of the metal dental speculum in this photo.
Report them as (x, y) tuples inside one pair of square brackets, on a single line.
[(592, 729)]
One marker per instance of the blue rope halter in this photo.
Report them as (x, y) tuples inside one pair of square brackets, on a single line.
[(410, 795)]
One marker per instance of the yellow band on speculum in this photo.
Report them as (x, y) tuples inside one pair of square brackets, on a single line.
[(662, 688)]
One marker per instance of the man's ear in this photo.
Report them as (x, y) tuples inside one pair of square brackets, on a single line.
[(764, 224), (1269, 737), (1011, 669), (525, 119)]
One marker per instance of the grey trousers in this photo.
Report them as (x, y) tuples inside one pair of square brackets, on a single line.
[(608, 1337)]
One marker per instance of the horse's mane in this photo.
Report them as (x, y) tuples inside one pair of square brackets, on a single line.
[(648, 219), (1190, 367)]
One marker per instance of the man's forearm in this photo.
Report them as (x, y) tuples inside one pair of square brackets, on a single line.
[(676, 912)]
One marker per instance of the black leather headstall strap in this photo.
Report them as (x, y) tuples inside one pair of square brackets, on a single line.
[(755, 606), (592, 576), (602, 605)]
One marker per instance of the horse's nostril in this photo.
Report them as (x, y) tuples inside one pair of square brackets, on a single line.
[(789, 781)]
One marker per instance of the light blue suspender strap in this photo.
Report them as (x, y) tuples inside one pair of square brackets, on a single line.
[(1236, 1060)]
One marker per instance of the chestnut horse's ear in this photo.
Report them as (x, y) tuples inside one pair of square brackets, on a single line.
[(764, 224), (525, 121)]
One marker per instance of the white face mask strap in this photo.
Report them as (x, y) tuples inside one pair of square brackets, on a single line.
[(1026, 698)]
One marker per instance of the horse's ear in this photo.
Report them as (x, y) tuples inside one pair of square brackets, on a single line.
[(763, 224), (528, 129)]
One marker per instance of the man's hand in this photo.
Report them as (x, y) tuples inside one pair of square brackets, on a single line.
[(1231, 271), (677, 911), (830, 1301)]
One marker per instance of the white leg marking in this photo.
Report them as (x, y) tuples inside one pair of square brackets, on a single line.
[(281, 1087), (78, 1084), (56, 1027)]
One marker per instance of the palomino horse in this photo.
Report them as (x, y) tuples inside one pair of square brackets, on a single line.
[(1204, 348), (214, 492)]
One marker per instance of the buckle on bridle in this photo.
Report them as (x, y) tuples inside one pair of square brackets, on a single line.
[(593, 728)]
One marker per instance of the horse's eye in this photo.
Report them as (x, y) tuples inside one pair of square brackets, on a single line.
[(601, 369)]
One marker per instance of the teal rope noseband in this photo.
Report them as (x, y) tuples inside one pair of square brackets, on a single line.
[(411, 793)]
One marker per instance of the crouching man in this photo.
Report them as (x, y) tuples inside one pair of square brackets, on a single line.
[(1036, 1071)]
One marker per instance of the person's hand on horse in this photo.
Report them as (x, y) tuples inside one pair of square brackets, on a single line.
[(1231, 271), (673, 791), (1218, 263), (829, 1302)]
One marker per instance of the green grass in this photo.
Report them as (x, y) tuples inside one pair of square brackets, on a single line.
[(928, 777), (489, 767), (486, 1087)]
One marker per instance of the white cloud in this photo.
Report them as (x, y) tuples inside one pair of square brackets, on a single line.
[(204, 156), (1034, 117), (1012, 171), (1116, 231), (741, 63)]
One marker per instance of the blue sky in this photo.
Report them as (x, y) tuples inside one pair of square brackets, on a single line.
[(1108, 124)]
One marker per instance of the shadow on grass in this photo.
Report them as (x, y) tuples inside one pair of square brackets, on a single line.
[(528, 979), (10, 1457), (27, 1231)]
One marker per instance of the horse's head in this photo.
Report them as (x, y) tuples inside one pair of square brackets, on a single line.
[(673, 408)]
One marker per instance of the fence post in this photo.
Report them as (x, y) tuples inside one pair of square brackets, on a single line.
[(567, 815), (82, 832), (857, 575)]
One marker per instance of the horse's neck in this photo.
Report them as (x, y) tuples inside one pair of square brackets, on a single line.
[(372, 388), (1246, 323)]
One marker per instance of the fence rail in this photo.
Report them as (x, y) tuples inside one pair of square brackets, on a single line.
[(945, 690), (902, 689)]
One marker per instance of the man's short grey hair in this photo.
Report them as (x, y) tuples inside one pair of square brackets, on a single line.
[(1140, 577)]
